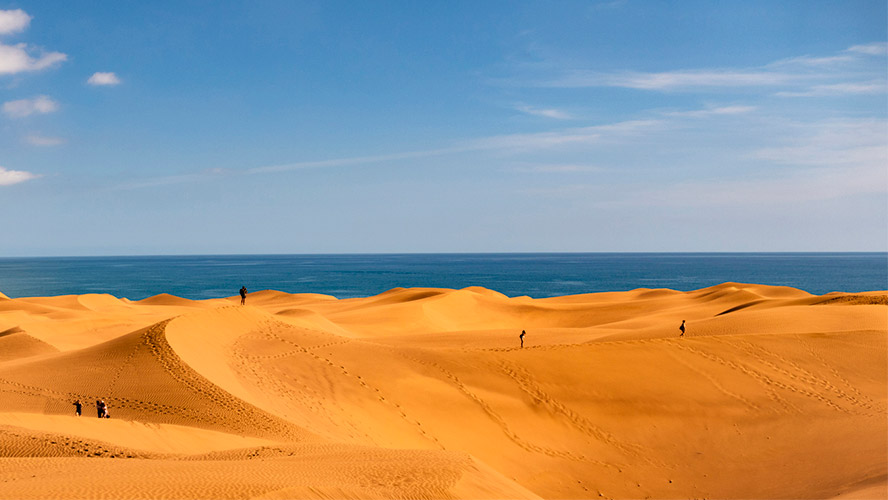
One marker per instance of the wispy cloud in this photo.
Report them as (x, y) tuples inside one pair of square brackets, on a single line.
[(785, 75), (13, 21), (17, 59), (714, 111), (815, 62), (556, 114), (26, 107), (793, 187), (833, 89), (793, 162), (103, 79), (823, 160), (511, 143), (571, 168), (506, 142), (872, 49), (170, 180), (43, 141), (10, 177), (574, 136), (356, 160), (859, 143), (672, 80)]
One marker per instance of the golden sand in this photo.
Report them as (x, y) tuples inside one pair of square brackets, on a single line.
[(425, 393)]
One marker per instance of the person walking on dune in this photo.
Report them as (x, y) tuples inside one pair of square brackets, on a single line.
[(102, 409), (682, 328), (78, 407), (521, 338), (243, 293)]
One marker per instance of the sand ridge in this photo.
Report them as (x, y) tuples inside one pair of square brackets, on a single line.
[(426, 393)]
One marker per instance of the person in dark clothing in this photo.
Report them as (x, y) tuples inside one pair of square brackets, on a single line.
[(521, 337), (682, 328), (78, 407), (243, 294), (99, 410)]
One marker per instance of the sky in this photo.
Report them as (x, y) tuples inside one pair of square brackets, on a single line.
[(266, 127)]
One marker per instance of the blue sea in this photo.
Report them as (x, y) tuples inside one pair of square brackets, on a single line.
[(346, 276)]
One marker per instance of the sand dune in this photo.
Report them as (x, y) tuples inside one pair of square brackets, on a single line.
[(425, 393)]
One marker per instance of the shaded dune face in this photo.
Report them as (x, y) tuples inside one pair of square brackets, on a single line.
[(427, 393), (140, 378)]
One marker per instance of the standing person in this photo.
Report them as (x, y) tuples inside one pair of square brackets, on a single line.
[(521, 337), (99, 411), (243, 293), (78, 407), (103, 412), (682, 328)]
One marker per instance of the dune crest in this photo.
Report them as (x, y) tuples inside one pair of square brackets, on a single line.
[(428, 393)]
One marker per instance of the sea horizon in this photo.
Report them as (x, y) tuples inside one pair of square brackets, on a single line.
[(571, 252), (351, 275)]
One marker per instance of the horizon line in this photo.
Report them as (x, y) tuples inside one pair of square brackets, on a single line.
[(572, 252)]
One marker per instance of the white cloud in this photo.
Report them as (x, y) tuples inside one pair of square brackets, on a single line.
[(26, 107), (674, 80), (39, 140), (871, 87), (812, 61), (100, 78), (16, 59), (13, 21), (872, 49), (715, 111), (546, 113), (791, 72), (10, 177)]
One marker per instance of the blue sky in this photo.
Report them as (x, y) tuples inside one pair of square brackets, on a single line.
[(314, 127)]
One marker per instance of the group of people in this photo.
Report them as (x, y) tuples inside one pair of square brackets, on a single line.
[(101, 408)]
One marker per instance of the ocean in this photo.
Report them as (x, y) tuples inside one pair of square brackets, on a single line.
[(347, 276)]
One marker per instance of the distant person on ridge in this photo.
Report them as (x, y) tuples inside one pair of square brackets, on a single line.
[(521, 337), (243, 292), (78, 407), (682, 328), (99, 408)]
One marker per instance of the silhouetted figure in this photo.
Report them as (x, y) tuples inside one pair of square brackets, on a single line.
[(243, 292), (78, 407), (682, 328), (521, 337)]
